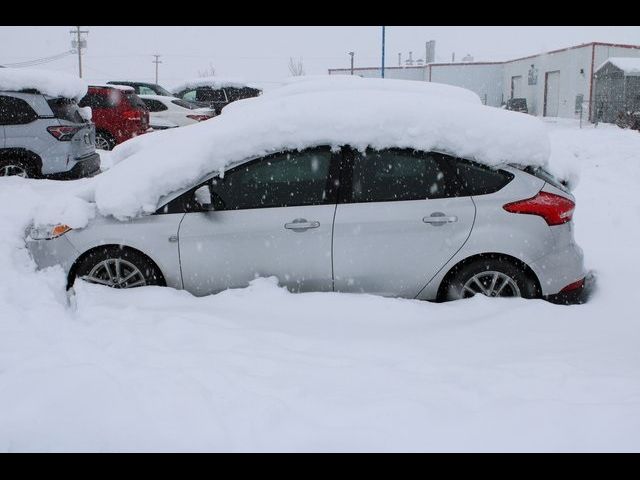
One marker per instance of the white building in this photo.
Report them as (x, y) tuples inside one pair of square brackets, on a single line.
[(556, 84)]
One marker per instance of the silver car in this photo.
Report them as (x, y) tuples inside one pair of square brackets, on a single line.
[(392, 222), (44, 136)]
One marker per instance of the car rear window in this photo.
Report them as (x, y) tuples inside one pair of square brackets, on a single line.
[(66, 109), (135, 101), (544, 175)]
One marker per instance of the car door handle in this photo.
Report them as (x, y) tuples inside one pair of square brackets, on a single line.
[(301, 224), (438, 219)]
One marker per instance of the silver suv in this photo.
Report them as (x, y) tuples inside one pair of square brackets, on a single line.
[(45, 137)]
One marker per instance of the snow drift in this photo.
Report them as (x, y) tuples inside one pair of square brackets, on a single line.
[(259, 369), (54, 84)]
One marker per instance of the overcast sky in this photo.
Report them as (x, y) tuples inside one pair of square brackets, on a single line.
[(262, 53)]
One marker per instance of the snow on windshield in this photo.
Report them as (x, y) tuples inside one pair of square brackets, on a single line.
[(54, 84)]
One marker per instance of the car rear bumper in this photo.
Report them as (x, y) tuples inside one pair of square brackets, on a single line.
[(575, 296), (559, 268), (85, 167)]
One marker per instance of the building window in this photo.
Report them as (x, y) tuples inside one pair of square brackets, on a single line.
[(533, 75)]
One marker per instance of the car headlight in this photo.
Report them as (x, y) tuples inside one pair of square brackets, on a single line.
[(47, 232)]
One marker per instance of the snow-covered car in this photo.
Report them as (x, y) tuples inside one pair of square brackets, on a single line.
[(43, 131), (394, 189), (216, 92), (167, 112)]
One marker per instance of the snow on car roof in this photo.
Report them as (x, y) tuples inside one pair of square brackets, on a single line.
[(630, 66), (124, 88), (215, 82), (151, 166), (54, 84)]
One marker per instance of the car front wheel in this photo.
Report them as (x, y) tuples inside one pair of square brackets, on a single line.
[(118, 268)]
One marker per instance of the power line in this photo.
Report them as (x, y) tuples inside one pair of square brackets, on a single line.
[(39, 61)]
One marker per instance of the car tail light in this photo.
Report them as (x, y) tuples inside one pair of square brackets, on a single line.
[(555, 209), (64, 133), (574, 286), (199, 118)]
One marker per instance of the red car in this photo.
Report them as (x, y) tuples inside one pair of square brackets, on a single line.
[(118, 113)]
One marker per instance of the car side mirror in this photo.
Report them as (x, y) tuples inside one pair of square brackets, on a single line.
[(204, 198)]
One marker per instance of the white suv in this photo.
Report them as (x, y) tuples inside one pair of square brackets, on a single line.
[(44, 136)]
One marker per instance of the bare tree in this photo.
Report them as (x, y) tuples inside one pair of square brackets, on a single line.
[(210, 71), (296, 67)]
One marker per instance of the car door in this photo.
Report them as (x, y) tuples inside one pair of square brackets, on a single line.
[(272, 217), (397, 223)]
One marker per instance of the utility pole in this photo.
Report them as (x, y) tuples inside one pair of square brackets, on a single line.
[(351, 54), (383, 51), (157, 61), (79, 43)]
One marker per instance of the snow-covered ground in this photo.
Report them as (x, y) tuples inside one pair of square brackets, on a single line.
[(260, 369)]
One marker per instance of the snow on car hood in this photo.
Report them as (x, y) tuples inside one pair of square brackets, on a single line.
[(153, 165), (54, 84)]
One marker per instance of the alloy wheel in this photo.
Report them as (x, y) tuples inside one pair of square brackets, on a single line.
[(116, 273), (102, 143), (13, 171), (491, 284)]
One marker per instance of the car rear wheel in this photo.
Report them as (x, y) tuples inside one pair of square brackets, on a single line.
[(104, 141), (493, 278), (118, 268), (16, 168)]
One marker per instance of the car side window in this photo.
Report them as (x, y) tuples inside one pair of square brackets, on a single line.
[(154, 105), (396, 175), (189, 95), (208, 94), (476, 179), (281, 180), (15, 111), (142, 90)]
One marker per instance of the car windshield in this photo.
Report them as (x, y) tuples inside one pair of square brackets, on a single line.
[(135, 100), (162, 91)]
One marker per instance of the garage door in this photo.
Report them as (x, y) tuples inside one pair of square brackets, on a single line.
[(551, 94)]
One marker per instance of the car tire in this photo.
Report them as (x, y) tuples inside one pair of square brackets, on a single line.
[(17, 167), (104, 141), (493, 277), (117, 267)]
